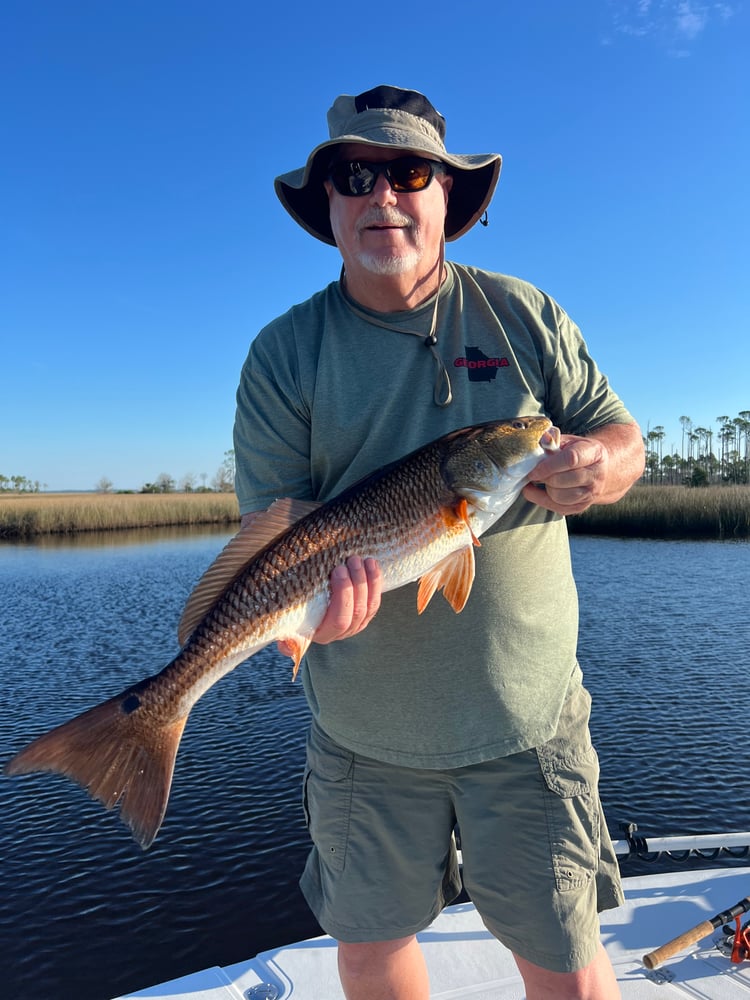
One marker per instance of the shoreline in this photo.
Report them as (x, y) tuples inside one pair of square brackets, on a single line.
[(24, 517), (710, 512)]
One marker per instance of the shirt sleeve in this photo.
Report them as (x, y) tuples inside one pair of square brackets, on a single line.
[(272, 423)]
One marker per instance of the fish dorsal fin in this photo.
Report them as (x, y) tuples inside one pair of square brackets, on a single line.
[(454, 575), (235, 555)]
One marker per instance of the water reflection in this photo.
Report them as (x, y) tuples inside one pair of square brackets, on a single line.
[(664, 648), (119, 538)]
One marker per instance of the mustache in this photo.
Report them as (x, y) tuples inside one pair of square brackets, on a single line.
[(384, 217)]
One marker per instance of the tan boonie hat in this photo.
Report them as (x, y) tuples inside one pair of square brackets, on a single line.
[(388, 118)]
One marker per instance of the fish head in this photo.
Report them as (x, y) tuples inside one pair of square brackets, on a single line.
[(489, 464)]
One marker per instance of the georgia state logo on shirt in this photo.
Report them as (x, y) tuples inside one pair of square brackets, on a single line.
[(479, 366)]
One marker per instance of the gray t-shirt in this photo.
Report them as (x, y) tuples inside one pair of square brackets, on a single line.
[(328, 394)]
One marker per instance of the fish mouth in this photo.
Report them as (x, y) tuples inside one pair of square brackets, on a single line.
[(550, 440)]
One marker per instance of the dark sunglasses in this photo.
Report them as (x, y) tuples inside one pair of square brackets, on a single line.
[(355, 178)]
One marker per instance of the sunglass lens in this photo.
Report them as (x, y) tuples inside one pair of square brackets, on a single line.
[(410, 174), (355, 178)]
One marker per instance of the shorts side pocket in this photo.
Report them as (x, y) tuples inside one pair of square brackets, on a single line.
[(327, 797), (573, 820)]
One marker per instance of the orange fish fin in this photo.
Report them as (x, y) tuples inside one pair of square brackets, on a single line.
[(454, 575), (235, 555), (295, 646), (461, 511), (116, 757)]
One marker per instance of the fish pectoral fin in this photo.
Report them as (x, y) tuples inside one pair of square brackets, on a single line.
[(235, 555), (454, 575), (295, 646), (461, 511)]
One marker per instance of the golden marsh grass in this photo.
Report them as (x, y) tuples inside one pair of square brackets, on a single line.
[(719, 512), (647, 511), (33, 514)]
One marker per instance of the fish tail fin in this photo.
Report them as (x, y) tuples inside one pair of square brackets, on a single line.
[(115, 757)]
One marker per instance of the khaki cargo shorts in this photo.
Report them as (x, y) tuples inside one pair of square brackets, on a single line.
[(538, 862)]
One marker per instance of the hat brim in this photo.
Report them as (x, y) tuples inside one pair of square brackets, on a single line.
[(303, 194)]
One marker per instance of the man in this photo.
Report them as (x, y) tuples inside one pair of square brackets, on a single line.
[(422, 723)]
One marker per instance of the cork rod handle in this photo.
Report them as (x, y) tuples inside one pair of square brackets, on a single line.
[(677, 944)]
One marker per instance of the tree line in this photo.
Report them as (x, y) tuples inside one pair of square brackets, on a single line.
[(18, 484), (222, 482), (706, 457)]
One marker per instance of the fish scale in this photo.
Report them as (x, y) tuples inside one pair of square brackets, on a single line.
[(419, 517)]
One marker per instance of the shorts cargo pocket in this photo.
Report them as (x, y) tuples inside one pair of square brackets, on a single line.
[(572, 811), (327, 797)]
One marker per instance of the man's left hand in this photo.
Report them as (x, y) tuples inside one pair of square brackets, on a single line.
[(588, 470)]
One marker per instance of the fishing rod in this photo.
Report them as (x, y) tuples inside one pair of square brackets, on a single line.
[(700, 930)]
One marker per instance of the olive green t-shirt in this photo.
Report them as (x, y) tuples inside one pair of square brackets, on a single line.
[(328, 394)]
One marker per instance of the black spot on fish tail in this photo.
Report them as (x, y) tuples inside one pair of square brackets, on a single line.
[(132, 698)]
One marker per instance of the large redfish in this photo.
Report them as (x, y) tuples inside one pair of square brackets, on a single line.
[(419, 517)]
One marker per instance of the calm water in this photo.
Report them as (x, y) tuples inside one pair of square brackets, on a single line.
[(84, 914)]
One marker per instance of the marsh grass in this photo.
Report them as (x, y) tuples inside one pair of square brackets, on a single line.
[(35, 514), (719, 512)]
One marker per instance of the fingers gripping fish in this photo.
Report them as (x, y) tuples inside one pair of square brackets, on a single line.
[(420, 517)]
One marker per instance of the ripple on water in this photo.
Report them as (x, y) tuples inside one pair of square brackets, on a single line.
[(664, 647)]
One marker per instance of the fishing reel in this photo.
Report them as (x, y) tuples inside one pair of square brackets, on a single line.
[(736, 941)]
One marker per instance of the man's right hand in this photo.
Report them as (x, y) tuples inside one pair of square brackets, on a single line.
[(356, 589)]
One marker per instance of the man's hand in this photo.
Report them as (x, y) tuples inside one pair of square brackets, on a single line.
[(356, 589), (600, 468)]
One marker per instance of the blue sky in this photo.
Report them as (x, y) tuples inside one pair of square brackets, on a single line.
[(142, 246)]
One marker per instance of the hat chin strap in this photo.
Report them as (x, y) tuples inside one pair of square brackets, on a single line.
[(442, 392)]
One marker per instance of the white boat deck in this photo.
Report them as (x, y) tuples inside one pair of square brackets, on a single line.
[(466, 962)]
